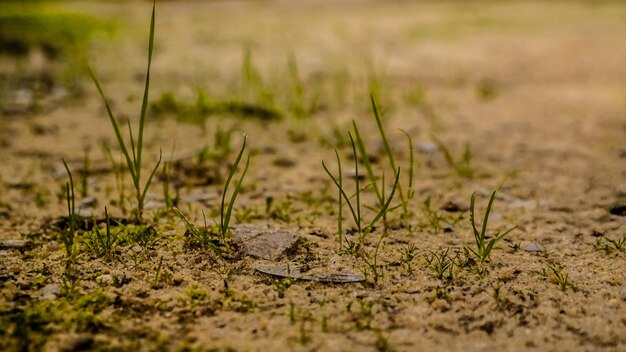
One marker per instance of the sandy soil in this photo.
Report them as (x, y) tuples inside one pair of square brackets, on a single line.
[(537, 90)]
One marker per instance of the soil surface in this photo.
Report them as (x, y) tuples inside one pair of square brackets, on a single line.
[(535, 91)]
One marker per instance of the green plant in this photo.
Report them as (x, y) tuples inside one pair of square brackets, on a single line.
[(441, 264), (355, 209), (198, 236), (225, 212), (555, 273), (134, 157), (68, 234), (372, 268), (99, 244), (410, 193), (484, 247), (608, 245), (462, 167), (84, 175), (407, 254)]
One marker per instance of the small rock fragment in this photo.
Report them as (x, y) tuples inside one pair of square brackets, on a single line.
[(88, 202), (50, 291), (285, 270), (13, 244), (534, 247), (264, 243)]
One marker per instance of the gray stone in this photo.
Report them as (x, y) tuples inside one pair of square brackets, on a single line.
[(534, 247), (50, 291), (13, 244), (261, 242)]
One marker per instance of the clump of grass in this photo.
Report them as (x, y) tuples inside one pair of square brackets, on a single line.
[(204, 236), (102, 245), (405, 197), (484, 247), (134, 156), (408, 253), (608, 245), (355, 205), (555, 273), (441, 264), (198, 236), (226, 210)]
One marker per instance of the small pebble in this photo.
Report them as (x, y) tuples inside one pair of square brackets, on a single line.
[(13, 244), (50, 291), (534, 247)]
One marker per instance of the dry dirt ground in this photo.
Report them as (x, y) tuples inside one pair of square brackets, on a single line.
[(537, 90)]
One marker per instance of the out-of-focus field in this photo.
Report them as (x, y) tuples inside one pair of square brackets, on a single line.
[(526, 98)]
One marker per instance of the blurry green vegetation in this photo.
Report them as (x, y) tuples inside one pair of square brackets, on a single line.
[(198, 111), (58, 32)]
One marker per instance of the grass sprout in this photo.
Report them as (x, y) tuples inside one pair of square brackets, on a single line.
[(134, 156), (197, 236), (484, 246), (355, 205), (609, 245), (463, 166), (68, 234), (102, 244), (226, 210)]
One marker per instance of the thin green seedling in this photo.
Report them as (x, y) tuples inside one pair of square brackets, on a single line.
[(404, 197), (484, 247), (462, 167), (441, 264), (118, 171), (355, 209), (609, 245), (134, 157), (84, 190), (407, 254), (169, 200), (558, 276), (226, 211), (200, 236), (68, 235), (102, 245)]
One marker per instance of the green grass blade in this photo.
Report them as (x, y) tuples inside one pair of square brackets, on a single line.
[(116, 127), (366, 161), (131, 137), (343, 193), (234, 195), (340, 200), (383, 210), (446, 152), (149, 181), (356, 180), (483, 230), (230, 176), (473, 222), (387, 146), (144, 103), (411, 163)]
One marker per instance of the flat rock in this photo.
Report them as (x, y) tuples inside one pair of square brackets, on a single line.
[(285, 270), (50, 291), (262, 242), (13, 244), (534, 247)]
